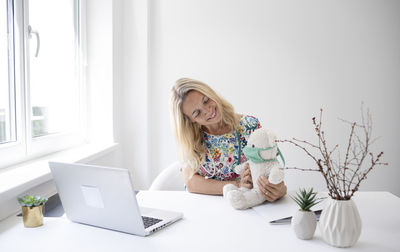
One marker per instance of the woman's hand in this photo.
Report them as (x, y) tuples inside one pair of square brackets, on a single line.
[(269, 191), (245, 177)]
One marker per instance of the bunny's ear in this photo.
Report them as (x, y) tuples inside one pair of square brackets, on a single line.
[(271, 136)]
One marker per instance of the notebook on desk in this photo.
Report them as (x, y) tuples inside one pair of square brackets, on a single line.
[(104, 197), (281, 211)]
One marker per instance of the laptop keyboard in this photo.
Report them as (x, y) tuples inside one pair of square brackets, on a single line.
[(148, 221)]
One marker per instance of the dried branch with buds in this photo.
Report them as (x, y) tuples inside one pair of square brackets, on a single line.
[(342, 179)]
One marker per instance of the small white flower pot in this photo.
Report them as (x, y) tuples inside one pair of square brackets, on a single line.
[(304, 224), (340, 223)]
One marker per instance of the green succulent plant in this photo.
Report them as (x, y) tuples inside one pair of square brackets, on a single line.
[(306, 199), (30, 200)]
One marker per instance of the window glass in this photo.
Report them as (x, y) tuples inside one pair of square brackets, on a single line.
[(7, 104), (53, 79)]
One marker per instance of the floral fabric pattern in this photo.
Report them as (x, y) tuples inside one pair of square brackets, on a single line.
[(222, 151)]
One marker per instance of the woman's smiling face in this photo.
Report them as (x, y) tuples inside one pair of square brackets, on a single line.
[(201, 109)]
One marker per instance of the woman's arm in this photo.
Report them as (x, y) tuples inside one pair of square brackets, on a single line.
[(198, 184)]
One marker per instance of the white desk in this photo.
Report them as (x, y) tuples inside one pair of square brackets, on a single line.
[(209, 224)]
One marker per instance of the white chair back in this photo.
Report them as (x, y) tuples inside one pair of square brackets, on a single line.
[(170, 179)]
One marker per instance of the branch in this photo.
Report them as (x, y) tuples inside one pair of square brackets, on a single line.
[(334, 148), (364, 175), (342, 179), (301, 169), (301, 147), (347, 154), (303, 141), (348, 122), (363, 146)]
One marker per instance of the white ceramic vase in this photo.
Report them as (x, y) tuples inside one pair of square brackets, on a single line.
[(304, 224), (340, 223)]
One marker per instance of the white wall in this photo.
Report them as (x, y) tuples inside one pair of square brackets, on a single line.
[(278, 60), (99, 26), (130, 47)]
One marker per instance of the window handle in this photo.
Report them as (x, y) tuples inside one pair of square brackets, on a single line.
[(31, 31)]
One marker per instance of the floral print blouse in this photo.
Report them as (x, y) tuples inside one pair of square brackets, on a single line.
[(222, 151)]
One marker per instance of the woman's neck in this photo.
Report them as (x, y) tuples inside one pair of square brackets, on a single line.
[(220, 128)]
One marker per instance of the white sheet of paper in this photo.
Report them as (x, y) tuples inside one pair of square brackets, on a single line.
[(284, 207), (92, 196)]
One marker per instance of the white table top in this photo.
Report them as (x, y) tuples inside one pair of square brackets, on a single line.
[(209, 224)]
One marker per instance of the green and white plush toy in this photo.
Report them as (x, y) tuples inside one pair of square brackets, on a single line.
[(261, 152)]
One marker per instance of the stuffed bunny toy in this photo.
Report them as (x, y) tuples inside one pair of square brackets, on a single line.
[(261, 152)]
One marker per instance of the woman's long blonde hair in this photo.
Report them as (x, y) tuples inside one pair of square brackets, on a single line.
[(189, 134)]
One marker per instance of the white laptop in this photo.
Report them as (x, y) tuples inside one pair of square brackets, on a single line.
[(104, 197)]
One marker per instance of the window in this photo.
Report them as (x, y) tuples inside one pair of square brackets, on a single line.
[(7, 104), (41, 101)]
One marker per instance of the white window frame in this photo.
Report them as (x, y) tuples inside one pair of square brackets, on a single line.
[(25, 147)]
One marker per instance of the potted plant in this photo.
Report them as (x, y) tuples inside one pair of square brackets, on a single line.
[(304, 220), (340, 222), (32, 210)]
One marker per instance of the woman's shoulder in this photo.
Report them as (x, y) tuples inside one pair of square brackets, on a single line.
[(249, 123)]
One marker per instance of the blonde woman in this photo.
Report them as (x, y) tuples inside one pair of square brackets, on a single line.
[(210, 136)]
